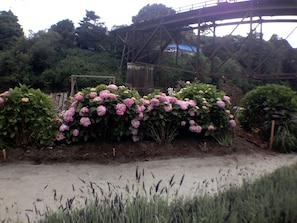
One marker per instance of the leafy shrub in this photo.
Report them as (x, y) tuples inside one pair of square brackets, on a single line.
[(272, 102), (26, 117)]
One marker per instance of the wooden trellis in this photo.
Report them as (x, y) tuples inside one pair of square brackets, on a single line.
[(73, 80)]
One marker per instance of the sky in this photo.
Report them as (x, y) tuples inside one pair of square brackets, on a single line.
[(39, 15)]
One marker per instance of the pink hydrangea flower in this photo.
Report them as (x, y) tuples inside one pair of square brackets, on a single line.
[(97, 99), (192, 122), (101, 110), (163, 97), (140, 115), (168, 107), (79, 96), (1, 100), (183, 104), (232, 123), (155, 102), (104, 94), (150, 107), (112, 96), (144, 101), (227, 99), (210, 127), (172, 99), (63, 128), (120, 109), (83, 111), (60, 136), (68, 115), (112, 86), (221, 104), (192, 103), (75, 132), (135, 123), (195, 128), (183, 123), (191, 112), (73, 104), (133, 131), (93, 94), (85, 121), (140, 108), (68, 118), (128, 102), (71, 111), (5, 93)]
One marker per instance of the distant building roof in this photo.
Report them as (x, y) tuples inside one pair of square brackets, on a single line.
[(183, 47)]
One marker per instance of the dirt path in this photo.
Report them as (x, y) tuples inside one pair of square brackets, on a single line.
[(27, 189)]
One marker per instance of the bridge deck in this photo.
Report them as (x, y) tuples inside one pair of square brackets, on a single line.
[(219, 12)]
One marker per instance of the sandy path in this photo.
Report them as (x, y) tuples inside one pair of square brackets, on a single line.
[(26, 189)]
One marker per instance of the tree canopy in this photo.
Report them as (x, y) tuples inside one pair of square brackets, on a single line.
[(46, 59), (153, 11), (10, 30)]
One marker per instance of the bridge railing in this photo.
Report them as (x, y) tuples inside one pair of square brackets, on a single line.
[(205, 4)]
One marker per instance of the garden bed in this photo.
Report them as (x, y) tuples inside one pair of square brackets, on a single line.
[(105, 153)]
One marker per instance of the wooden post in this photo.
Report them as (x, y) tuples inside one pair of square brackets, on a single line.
[(272, 134), (4, 153)]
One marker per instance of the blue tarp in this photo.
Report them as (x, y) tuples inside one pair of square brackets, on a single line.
[(183, 47)]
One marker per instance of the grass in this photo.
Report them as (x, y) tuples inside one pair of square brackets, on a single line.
[(272, 198)]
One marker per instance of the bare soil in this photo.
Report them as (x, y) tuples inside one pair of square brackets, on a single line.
[(124, 152)]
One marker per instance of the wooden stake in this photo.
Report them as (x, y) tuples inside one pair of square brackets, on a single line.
[(4, 153), (272, 134)]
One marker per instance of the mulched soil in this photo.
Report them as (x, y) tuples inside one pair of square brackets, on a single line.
[(106, 153)]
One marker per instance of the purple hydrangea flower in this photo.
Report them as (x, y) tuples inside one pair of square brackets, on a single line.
[(232, 123), (221, 104)]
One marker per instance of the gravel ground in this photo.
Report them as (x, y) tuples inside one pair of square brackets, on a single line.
[(27, 190)]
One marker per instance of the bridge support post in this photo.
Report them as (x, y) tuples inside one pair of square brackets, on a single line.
[(140, 77)]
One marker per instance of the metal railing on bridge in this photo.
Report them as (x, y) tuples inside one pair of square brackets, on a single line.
[(205, 4)]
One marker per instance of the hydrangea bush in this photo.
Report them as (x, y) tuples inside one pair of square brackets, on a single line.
[(26, 117), (102, 113), (109, 112), (213, 111)]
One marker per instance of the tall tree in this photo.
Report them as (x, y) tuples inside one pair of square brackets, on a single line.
[(67, 31), (91, 34), (10, 30), (150, 12)]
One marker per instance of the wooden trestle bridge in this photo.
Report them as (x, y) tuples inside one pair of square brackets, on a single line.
[(144, 43)]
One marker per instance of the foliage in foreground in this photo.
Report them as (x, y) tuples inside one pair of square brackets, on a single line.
[(272, 102), (270, 199)]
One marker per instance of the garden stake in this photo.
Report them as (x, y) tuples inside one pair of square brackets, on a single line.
[(4, 153), (272, 134), (113, 152)]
